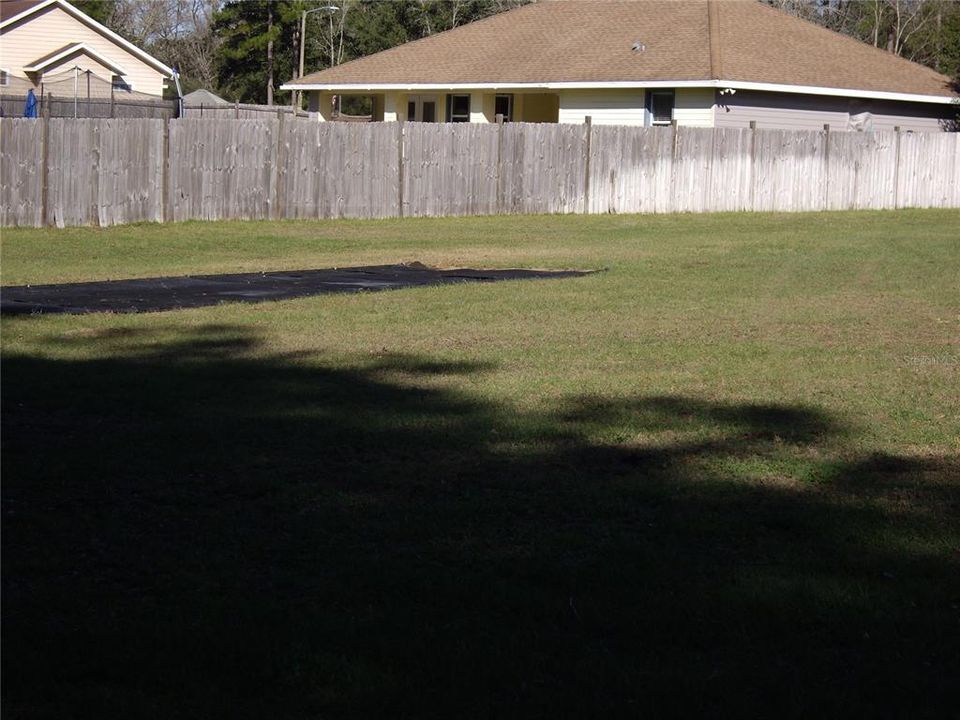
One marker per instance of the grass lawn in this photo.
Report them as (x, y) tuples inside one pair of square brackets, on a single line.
[(720, 478)]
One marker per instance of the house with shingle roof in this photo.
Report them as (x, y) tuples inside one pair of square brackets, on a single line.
[(710, 63), (52, 42)]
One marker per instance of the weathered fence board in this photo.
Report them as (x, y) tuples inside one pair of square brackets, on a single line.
[(130, 171), (222, 170), (543, 168), (21, 145), (359, 170), (450, 170), (105, 172)]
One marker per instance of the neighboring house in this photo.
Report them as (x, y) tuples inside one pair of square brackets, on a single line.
[(52, 43), (203, 98), (708, 63)]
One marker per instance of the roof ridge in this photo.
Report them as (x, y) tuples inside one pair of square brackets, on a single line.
[(713, 33)]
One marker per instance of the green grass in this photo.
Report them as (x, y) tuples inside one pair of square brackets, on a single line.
[(720, 477)]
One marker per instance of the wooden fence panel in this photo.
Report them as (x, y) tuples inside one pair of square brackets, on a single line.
[(731, 170), (929, 172), (21, 156), (630, 169), (862, 167), (130, 171), (788, 168), (72, 176), (105, 172), (222, 170), (360, 170), (450, 169), (302, 177), (543, 168), (693, 157)]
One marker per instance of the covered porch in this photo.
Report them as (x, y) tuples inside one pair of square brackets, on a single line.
[(444, 106)]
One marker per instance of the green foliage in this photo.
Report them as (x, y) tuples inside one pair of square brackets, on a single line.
[(359, 28), (100, 10)]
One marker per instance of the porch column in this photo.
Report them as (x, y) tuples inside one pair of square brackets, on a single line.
[(479, 109), (320, 103), (391, 107)]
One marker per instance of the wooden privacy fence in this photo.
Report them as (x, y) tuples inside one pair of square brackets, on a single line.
[(103, 172)]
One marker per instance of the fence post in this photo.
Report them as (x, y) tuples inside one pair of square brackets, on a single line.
[(279, 211), (400, 124), (588, 121), (45, 159), (826, 166), (753, 165), (111, 99), (165, 214), (499, 163), (95, 175), (896, 171)]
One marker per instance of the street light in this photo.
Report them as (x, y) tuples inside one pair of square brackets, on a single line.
[(330, 10)]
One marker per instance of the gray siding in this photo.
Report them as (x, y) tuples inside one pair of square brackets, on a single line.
[(812, 112)]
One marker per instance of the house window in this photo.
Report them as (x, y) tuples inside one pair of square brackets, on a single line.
[(458, 108), (4, 78), (422, 108), (120, 83), (660, 106), (503, 105)]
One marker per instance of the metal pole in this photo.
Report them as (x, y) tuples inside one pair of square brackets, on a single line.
[(88, 94), (303, 30), (76, 83)]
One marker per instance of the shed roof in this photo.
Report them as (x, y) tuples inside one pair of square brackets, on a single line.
[(592, 42)]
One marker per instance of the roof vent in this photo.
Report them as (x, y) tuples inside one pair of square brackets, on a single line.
[(638, 46)]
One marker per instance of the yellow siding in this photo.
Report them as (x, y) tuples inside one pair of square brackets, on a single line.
[(52, 29), (538, 108), (605, 107), (694, 107)]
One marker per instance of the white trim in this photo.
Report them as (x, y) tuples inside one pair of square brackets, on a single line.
[(622, 84), (76, 47), (79, 15)]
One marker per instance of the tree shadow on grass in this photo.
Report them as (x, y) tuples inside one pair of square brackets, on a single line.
[(194, 529)]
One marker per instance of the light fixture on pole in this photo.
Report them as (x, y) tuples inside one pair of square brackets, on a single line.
[(330, 10)]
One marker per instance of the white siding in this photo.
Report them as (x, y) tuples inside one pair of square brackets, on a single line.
[(52, 29), (606, 107), (694, 107)]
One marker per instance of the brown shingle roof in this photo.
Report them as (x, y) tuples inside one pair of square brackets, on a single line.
[(685, 40), (12, 8)]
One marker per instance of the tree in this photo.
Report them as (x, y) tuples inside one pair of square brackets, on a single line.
[(260, 40), (100, 10)]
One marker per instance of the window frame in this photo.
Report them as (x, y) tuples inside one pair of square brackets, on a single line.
[(672, 93), (119, 82), (507, 116), (457, 117)]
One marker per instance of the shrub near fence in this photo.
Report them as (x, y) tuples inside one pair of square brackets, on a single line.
[(103, 172)]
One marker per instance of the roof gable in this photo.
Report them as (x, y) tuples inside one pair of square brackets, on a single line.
[(15, 12), (592, 41), (61, 55)]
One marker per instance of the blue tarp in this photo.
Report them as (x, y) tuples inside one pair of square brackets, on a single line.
[(30, 108)]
